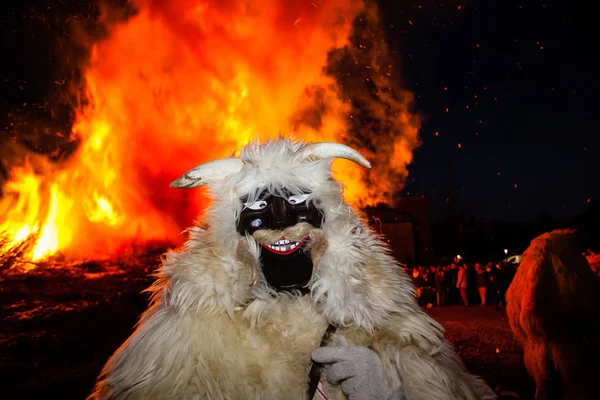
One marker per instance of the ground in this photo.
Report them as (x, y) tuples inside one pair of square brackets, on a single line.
[(60, 324), (485, 343)]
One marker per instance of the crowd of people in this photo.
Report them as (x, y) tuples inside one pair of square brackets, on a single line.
[(463, 284)]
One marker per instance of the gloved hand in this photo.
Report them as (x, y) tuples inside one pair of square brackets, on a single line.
[(358, 370)]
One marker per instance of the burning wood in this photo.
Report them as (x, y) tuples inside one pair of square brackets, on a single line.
[(14, 253)]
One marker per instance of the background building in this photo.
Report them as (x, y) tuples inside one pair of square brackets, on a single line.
[(406, 227)]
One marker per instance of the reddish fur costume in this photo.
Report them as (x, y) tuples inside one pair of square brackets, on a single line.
[(552, 305)]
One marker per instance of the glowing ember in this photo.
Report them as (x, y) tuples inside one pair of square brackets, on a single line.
[(184, 82)]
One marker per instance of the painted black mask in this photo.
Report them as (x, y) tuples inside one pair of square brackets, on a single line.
[(286, 264)]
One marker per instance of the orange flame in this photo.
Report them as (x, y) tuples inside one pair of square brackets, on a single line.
[(180, 83)]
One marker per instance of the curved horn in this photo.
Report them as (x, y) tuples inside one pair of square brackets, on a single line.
[(200, 175), (324, 150)]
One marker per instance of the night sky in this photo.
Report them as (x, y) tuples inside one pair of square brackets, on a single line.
[(509, 92), (507, 89)]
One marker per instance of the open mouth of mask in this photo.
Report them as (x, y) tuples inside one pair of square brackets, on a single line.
[(287, 265)]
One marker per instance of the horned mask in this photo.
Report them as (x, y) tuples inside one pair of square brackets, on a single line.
[(277, 195)]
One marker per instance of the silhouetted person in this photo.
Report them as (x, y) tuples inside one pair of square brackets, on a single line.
[(440, 286), (482, 283), (493, 293), (451, 276), (461, 283)]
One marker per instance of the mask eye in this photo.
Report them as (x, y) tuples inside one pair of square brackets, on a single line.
[(297, 199), (257, 205)]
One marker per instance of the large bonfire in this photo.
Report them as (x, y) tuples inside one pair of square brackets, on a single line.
[(181, 82)]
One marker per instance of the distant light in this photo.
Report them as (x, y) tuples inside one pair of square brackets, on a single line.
[(505, 251), (458, 256)]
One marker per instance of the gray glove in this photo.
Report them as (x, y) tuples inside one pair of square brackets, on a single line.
[(358, 370)]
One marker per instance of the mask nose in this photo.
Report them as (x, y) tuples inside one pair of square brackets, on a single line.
[(279, 214)]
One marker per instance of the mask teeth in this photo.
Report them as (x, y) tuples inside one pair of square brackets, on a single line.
[(284, 242), (284, 247)]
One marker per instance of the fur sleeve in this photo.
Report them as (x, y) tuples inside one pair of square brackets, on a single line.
[(155, 356)]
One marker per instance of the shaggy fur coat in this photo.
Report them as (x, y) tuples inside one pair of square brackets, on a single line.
[(215, 330), (552, 305)]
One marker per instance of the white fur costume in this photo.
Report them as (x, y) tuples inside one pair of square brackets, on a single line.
[(216, 331)]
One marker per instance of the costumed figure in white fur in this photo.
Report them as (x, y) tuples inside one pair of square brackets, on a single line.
[(285, 294), (552, 306)]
